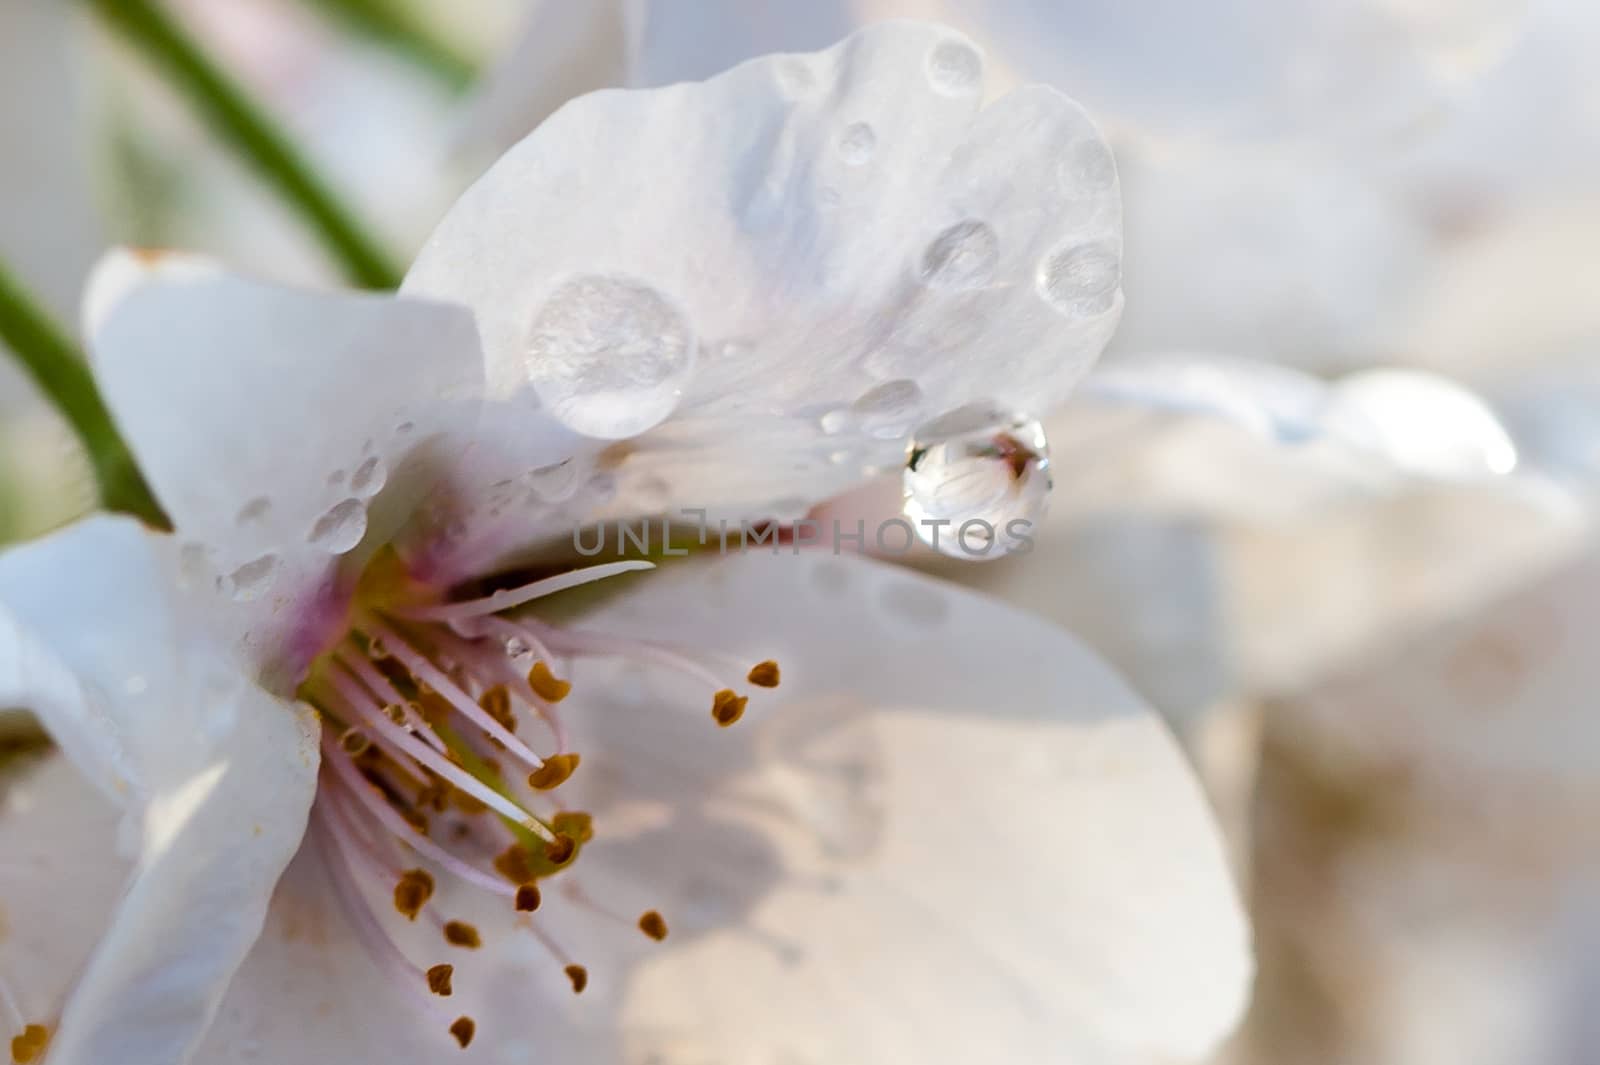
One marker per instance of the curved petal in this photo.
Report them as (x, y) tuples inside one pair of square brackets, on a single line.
[(1415, 423), (215, 776), (315, 409), (59, 885), (798, 261)]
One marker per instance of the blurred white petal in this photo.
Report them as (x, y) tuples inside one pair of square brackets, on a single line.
[(214, 777)]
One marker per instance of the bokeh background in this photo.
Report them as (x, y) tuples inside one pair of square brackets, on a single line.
[(1384, 672)]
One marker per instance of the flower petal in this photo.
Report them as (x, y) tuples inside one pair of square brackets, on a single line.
[(951, 833), (308, 405), (798, 261), (59, 883), (215, 775)]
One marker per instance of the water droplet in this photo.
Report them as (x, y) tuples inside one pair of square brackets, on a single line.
[(964, 256), (601, 489), (609, 356), (246, 583), (795, 77), (1086, 166), (336, 478), (1081, 280), (835, 421), (788, 509), (554, 484), (253, 511), (839, 458), (955, 68), (341, 528), (976, 481), (516, 647), (889, 411), (404, 427), (857, 143), (369, 477)]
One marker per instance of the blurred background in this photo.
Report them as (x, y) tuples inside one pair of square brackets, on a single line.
[(1381, 666)]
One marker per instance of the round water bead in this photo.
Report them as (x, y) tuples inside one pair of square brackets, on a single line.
[(976, 481)]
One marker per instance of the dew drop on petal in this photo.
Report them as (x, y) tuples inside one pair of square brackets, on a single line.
[(1082, 279), (835, 421), (254, 511), (1086, 166), (194, 564), (336, 478), (976, 481), (889, 411), (250, 580), (556, 483), (341, 528), (369, 477), (955, 68), (857, 143), (964, 256), (609, 356)]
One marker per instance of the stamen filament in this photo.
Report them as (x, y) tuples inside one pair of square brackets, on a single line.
[(424, 670), (378, 685), (354, 785), (13, 1012), (515, 597), (595, 644), (368, 931), (400, 743)]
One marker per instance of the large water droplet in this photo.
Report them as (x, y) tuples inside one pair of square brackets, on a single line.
[(964, 256), (1081, 280), (835, 421), (609, 356), (955, 68), (341, 528), (251, 579), (976, 481), (369, 478), (857, 143), (889, 411)]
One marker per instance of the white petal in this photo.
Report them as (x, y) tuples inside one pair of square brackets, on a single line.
[(60, 881), (216, 777), (277, 426), (798, 261), (951, 834)]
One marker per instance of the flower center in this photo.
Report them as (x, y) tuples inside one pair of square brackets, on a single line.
[(426, 772)]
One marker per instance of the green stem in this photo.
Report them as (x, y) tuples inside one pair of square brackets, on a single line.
[(252, 133), (397, 27), (53, 361)]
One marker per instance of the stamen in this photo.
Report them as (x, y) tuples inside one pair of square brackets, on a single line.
[(30, 1045), (412, 892), (546, 685), (439, 980), (528, 898), (513, 597), (400, 744), (462, 934), (764, 674), (727, 707), (556, 771), (382, 688), (653, 925), (579, 977), (355, 785), (389, 958), (434, 677), (463, 1029)]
